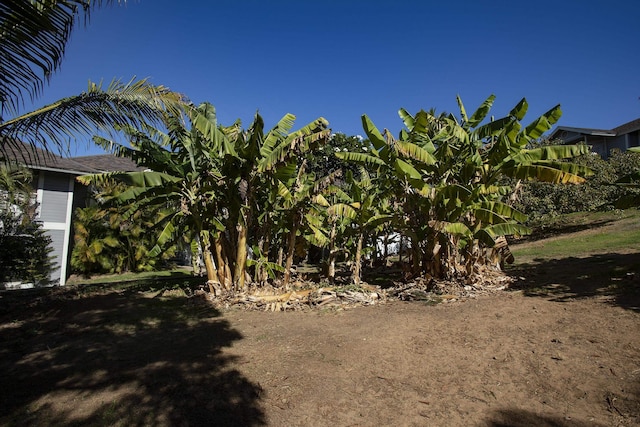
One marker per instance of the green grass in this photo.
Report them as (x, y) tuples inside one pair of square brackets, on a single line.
[(151, 281), (585, 255), (589, 233), (178, 273)]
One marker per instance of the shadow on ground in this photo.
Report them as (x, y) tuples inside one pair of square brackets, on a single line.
[(521, 418), (546, 231), (121, 358), (607, 275)]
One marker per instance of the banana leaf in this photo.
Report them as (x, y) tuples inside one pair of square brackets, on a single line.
[(542, 124), (479, 115), (487, 235), (415, 152)]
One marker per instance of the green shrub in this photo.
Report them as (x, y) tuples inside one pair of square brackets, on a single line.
[(25, 251), (538, 199)]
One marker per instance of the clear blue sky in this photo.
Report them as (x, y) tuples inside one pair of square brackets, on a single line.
[(342, 58)]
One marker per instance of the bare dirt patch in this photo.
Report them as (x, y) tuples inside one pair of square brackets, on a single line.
[(136, 358)]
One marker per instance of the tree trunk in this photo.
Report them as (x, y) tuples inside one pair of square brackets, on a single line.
[(331, 261), (223, 266), (280, 255), (291, 250), (212, 272), (358, 261), (415, 255), (241, 258)]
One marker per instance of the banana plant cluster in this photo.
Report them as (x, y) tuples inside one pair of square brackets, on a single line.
[(444, 176), (236, 195), (246, 201)]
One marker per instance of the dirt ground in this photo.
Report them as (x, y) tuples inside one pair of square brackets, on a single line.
[(563, 353)]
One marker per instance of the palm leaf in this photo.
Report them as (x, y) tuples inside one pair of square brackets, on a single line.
[(377, 220), (317, 237), (492, 128), (33, 43), (204, 119), (95, 110)]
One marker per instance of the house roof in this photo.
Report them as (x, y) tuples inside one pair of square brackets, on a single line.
[(582, 131), (37, 158), (628, 127), (108, 163)]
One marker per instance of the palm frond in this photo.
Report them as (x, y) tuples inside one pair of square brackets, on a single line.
[(135, 103), (34, 37)]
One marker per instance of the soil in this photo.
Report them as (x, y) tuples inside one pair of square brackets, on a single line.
[(557, 349)]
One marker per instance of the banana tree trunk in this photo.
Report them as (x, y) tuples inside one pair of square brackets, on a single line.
[(357, 262), (331, 261), (212, 272), (223, 267), (291, 250), (263, 274), (415, 255), (241, 258), (280, 255)]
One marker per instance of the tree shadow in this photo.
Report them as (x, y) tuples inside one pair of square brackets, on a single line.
[(557, 229), (123, 358), (522, 418), (612, 275)]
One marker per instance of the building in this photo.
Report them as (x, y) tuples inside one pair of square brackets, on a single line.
[(58, 193), (602, 141)]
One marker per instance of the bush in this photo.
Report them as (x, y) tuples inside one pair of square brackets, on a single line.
[(108, 241), (538, 199), (25, 251)]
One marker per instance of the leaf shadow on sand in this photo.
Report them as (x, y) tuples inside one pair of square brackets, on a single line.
[(122, 358)]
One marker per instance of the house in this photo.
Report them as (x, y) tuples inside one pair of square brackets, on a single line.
[(58, 193), (603, 141)]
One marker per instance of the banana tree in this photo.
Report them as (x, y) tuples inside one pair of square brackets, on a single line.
[(216, 178), (180, 175), (359, 203), (449, 172), (259, 175)]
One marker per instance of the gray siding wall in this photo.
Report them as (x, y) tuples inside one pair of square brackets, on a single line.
[(619, 143), (57, 244), (55, 194)]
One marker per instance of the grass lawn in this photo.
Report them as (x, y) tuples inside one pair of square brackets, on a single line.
[(596, 254)]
